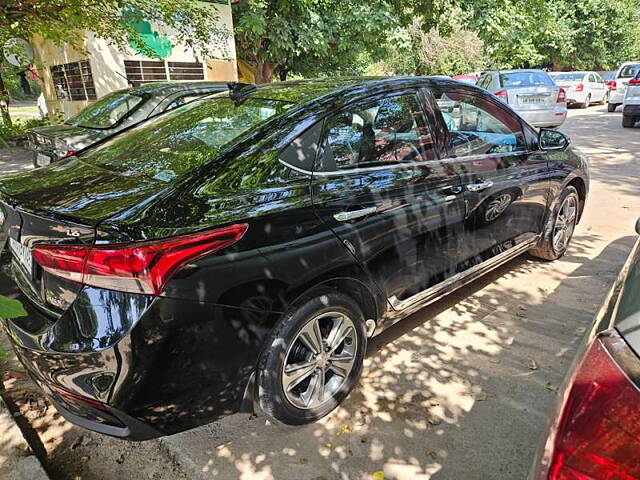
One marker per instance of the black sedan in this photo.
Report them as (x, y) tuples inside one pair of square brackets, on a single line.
[(595, 428), (236, 253), (112, 114)]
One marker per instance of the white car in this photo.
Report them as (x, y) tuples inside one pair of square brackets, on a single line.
[(626, 72), (582, 88), (631, 105)]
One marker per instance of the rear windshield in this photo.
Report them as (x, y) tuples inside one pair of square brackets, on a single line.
[(525, 79), (108, 111), (568, 76), (629, 71), (184, 138)]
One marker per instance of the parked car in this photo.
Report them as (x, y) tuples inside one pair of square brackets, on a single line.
[(531, 93), (592, 434), (111, 114), (470, 78), (618, 85), (582, 88), (631, 105), (236, 253), (608, 77)]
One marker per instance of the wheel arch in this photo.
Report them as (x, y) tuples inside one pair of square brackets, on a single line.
[(581, 187)]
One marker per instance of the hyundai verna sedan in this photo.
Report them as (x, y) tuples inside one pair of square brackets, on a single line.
[(594, 430), (236, 253)]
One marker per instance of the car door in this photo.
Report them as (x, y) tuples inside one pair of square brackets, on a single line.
[(505, 183), (597, 87), (379, 185)]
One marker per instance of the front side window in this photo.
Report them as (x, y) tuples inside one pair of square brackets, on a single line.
[(477, 126), (388, 131), (108, 111)]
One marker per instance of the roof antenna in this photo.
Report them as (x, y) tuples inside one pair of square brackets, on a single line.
[(238, 92)]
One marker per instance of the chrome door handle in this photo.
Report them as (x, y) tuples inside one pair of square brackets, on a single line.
[(351, 215), (477, 187)]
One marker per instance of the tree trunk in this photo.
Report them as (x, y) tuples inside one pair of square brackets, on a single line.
[(263, 71), (4, 104)]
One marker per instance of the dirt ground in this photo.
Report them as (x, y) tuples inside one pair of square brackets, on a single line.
[(460, 390)]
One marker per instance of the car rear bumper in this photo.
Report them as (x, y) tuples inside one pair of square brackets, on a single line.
[(551, 117), (138, 367)]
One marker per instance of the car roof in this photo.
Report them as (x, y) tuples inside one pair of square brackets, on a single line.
[(303, 91), (517, 70)]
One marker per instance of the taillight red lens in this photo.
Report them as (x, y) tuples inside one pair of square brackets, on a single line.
[(612, 84), (579, 87), (598, 435), (143, 267), (634, 80), (562, 96), (502, 94)]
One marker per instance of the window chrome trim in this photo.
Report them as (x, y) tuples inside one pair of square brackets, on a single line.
[(424, 163)]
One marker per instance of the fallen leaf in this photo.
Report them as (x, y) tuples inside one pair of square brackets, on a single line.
[(481, 396), (304, 461), (379, 475), (434, 403), (432, 454), (434, 420), (548, 386), (344, 430), (533, 365), (120, 459)]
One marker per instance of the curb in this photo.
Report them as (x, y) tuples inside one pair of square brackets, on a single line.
[(17, 461)]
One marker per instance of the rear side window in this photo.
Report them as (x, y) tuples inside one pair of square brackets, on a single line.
[(526, 79), (478, 126), (568, 77), (629, 71), (485, 82), (388, 131)]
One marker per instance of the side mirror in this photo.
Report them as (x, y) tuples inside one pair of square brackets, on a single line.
[(552, 140)]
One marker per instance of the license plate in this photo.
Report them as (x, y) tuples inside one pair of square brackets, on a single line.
[(22, 254), (42, 160), (531, 100)]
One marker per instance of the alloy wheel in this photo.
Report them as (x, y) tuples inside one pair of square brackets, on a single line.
[(565, 223), (496, 207), (319, 360)]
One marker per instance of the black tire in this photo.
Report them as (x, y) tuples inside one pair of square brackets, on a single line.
[(611, 107), (278, 347), (546, 248), (628, 121)]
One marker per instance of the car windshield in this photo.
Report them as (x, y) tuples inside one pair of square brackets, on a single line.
[(568, 76), (108, 111), (525, 79), (184, 138), (629, 71)]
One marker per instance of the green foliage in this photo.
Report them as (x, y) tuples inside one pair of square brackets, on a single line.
[(309, 37), (18, 129), (10, 308), (60, 21)]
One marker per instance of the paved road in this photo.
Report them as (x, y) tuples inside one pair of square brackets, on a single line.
[(458, 391), (461, 389)]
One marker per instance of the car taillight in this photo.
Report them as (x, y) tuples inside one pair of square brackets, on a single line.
[(502, 94), (579, 87), (141, 267), (562, 96), (635, 80), (598, 434), (611, 84)]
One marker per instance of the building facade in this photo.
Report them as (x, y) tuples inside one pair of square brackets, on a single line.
[(73, 78)]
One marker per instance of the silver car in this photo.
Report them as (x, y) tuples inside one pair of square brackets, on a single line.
[(625, 73), (531, 93), (582, 88), (631, 105), (111, 114)]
